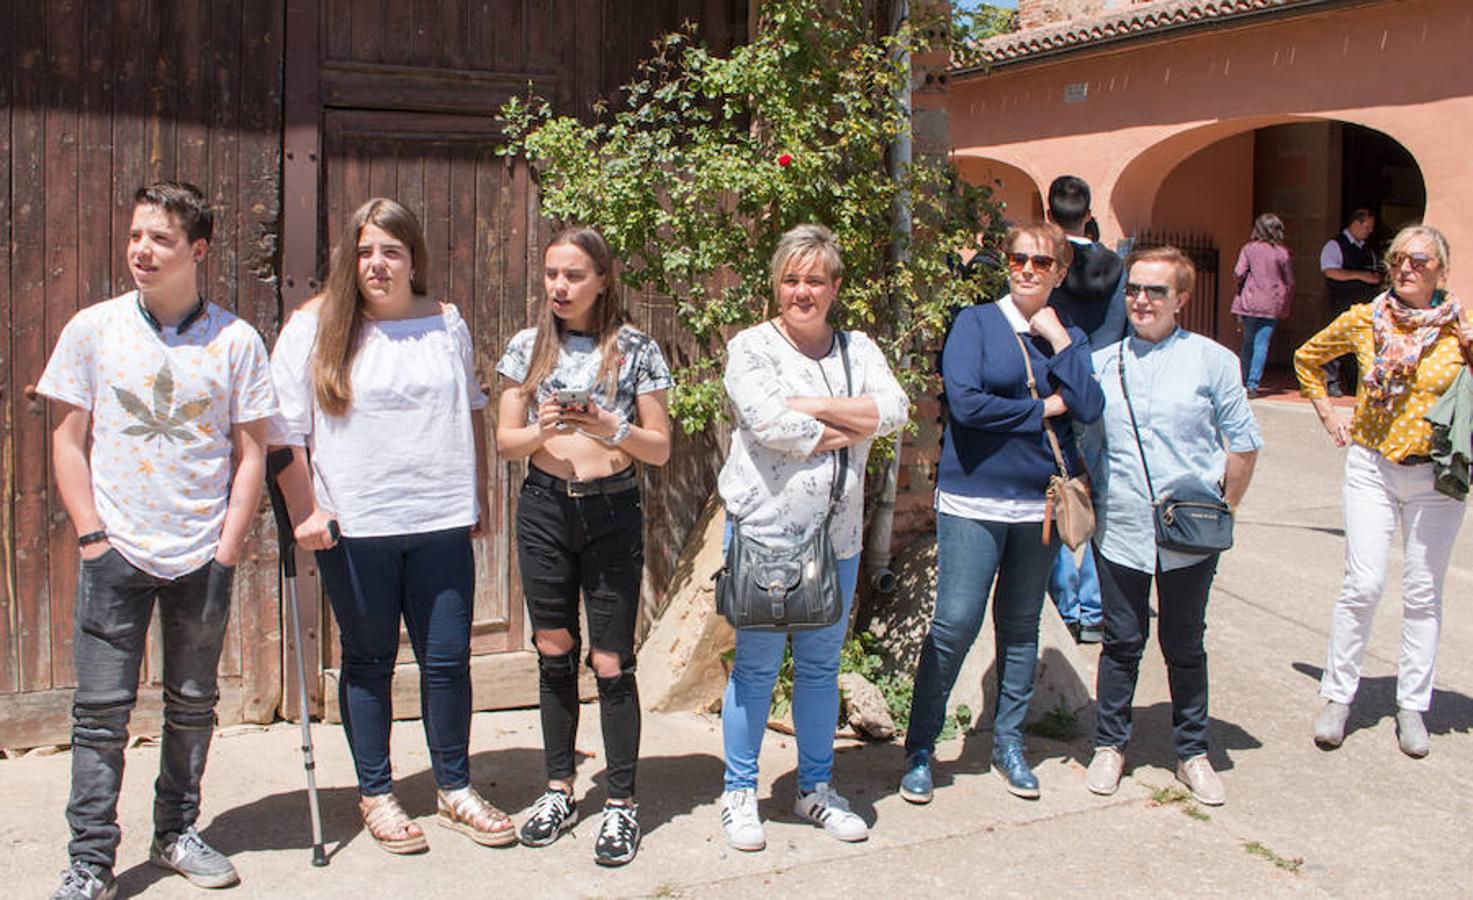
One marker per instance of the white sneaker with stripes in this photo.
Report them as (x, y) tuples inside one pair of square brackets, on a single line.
[(823, 806), (740, 822)]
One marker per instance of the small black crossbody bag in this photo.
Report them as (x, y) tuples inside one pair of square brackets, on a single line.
[(1188, 522), (762, 588)]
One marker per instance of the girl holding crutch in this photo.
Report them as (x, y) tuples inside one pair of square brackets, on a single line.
[(378, 383)]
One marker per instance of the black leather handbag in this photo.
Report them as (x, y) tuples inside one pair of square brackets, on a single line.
[(762, 588), (1195, 521)]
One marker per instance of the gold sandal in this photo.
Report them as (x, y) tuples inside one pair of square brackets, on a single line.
[(383, 817), (468, 812)]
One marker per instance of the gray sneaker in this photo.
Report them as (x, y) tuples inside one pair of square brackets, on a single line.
[(1411, 733), (83, 882), (1329, 727), (190, 856)]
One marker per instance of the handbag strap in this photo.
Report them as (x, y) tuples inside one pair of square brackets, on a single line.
[(1053, 439), (837, 492), (1135, 429)]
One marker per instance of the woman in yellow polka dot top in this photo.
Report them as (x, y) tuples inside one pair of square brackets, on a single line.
[(1410, 342)]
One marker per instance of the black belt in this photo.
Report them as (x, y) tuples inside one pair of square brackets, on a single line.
[(1414, 460), (617, 483)]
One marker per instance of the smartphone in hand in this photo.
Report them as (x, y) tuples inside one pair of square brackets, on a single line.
[(573, 399)]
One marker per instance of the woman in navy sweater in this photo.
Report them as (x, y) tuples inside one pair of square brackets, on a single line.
[(995, 467)]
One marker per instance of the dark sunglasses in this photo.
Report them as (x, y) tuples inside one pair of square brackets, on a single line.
[(1041, 264), (1153, 291), (1419, 261)]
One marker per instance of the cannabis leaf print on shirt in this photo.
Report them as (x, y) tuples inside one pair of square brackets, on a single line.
[(164, 420)]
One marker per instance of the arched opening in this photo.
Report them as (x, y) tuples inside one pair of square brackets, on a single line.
[(1207, 186), (1012, 186)]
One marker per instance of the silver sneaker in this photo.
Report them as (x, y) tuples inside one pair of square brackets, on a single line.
[(1105, 769), (190, 856), (1411, 733), (83, 882), (1329, 727)]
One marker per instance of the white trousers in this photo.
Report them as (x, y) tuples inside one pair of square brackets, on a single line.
[(1378, 493)]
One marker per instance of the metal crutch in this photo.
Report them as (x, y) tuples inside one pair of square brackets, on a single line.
[(276, 462)]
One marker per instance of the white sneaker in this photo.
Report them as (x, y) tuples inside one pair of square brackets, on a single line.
[(740, 822), (823, 806)]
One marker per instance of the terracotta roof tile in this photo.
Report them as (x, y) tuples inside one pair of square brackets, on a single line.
[(1138, 20)]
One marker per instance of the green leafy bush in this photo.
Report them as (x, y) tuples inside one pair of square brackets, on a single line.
[(706, 160)]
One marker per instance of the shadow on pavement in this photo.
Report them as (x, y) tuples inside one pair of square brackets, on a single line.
[(1376, 700), (510, 779), (668, 786)]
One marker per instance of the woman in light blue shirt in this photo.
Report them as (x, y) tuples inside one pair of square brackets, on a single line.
[(1189, 402)]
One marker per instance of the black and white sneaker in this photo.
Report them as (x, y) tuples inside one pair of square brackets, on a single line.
[(552, 814), (618, 835)]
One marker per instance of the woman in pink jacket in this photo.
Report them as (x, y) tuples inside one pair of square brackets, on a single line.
[(1265, 292)]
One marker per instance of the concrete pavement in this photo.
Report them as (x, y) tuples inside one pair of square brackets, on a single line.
[(1364, 820)]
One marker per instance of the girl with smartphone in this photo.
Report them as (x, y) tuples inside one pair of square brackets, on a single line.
[(584, 399)]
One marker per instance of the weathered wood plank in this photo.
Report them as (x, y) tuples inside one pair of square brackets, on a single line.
[(406, 88), (10, 397), (98, 240), (191, 36), (160, 51), (64, 41), (436, 219), (223, 187), (366, 18), (28, 336), (503, 681), (130, 97), (453, 50), (335, 33), (507, 22), (40, 718), (258, 223), (400, 25)]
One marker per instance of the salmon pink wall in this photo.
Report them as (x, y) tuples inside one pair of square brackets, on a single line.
[(1402, 67), (1212, 192), (1010, 184)]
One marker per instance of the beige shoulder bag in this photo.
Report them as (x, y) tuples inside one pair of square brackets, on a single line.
[(1067, 499)]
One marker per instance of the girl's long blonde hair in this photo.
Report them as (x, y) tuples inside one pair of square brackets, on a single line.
[(608, 318), (340, 321)]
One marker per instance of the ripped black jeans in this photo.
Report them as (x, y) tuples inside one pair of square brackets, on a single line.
[(591, 545), (115, 602)]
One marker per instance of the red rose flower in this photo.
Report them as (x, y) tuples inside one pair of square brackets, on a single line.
[(785, 159)]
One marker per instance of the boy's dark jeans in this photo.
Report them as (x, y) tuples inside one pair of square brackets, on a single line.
[(114, 604)]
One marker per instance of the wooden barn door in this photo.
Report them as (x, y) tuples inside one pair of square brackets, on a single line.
[(474, 209), (399, 99)]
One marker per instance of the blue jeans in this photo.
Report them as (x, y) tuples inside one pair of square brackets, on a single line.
[(1257, 332), (115, 602), (748, 698), (1076, 591), (970, 553), (429, 580)]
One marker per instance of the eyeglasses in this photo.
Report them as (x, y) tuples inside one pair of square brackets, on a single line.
[(1419, 261), (1041, 263), (1153, 291)]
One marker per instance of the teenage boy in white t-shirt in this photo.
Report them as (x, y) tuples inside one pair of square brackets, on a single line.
[(176, 393)]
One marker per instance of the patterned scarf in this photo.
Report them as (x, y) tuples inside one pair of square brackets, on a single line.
[(1397, 350)]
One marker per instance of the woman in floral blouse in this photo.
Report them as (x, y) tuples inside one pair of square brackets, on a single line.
[(794, 409)]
